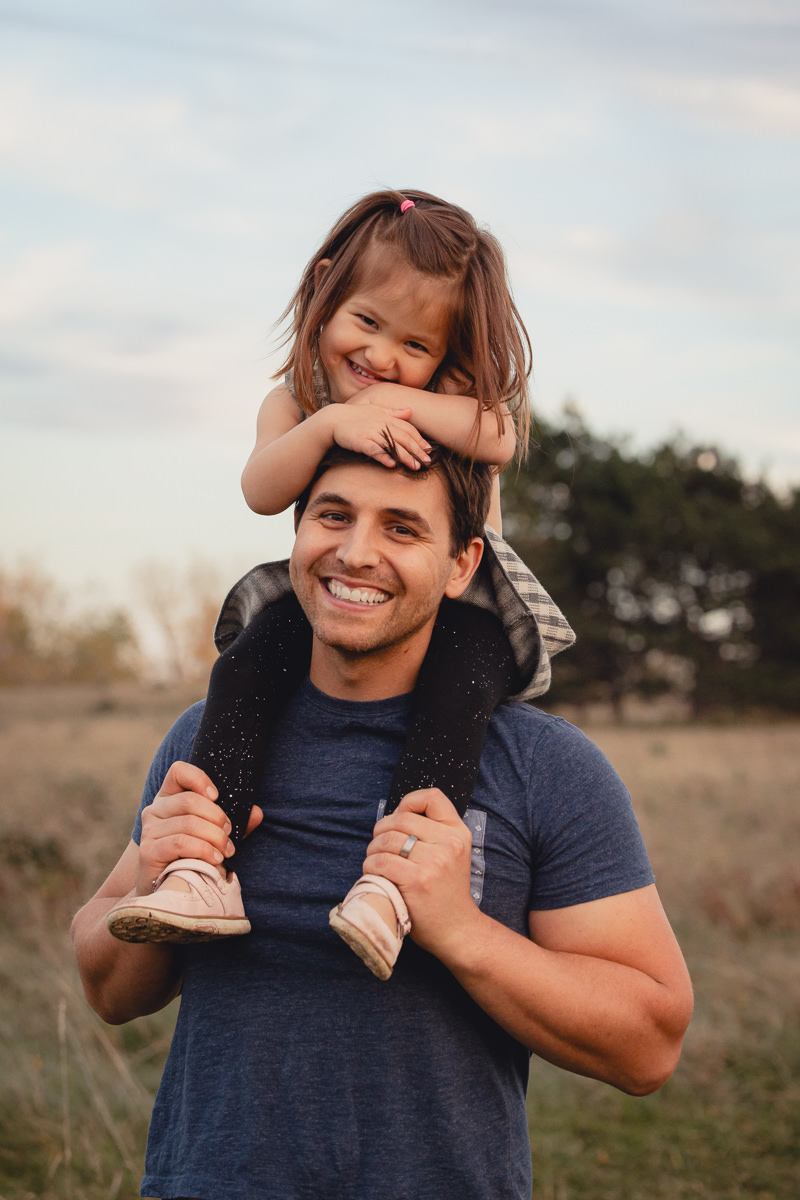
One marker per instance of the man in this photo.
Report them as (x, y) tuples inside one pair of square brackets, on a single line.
[(535, 923)]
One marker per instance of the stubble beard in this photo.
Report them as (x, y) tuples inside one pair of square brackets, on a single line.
[(353, 651)]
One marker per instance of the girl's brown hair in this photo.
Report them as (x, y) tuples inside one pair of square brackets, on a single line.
[(488, 342)]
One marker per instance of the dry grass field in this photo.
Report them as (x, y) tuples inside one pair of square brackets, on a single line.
[(720, 811)]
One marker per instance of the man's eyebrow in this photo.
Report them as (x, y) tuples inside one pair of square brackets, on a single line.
[(406, 516), (409, 516), (329, 498)]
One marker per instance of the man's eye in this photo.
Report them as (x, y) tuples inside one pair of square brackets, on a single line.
[(403, 531), (333, 516)]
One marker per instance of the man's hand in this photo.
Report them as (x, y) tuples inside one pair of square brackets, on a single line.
[(435, 876), (184, 822)]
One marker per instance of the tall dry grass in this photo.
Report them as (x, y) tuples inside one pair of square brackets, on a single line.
[(720, 812)]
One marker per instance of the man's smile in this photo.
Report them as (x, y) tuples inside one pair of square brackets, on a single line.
[(356, 595)]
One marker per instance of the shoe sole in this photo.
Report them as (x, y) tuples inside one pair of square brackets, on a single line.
[(145, 925), (360, 944)]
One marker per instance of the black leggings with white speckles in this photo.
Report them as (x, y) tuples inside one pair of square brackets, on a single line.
[(467, 671)]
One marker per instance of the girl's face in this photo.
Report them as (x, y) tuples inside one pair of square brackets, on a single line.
[(392, 329)]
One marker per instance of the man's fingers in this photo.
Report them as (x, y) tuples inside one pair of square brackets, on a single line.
[(184, 777), (427, 815), (195, 823), (432, 803), (254, 820)]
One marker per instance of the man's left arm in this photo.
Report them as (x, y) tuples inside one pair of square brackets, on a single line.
[(600, 988)]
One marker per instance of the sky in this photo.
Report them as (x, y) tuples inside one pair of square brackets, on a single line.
[(167, 169)]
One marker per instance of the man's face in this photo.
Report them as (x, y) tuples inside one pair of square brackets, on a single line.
[(372, 560)]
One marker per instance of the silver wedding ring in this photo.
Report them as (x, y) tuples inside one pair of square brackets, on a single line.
[(408, 845)]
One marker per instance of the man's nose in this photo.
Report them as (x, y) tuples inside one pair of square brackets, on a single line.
[(360, 546)]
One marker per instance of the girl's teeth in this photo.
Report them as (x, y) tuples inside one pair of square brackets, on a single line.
[(359, 371)]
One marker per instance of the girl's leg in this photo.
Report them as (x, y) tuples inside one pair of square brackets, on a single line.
[(194, 901), (467, 671), (250, 683)]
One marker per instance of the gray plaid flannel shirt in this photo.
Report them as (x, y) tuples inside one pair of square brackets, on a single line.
[(535, 627)]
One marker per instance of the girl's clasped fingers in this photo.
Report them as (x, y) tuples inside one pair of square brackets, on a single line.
[(366, 429), (412, 449)]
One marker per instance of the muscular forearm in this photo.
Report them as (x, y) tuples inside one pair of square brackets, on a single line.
[(590, 1015), (599, 987), (121, 980)]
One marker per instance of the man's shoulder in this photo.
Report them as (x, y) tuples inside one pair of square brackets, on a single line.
[(182, 732), (517, 718), (539, 744)]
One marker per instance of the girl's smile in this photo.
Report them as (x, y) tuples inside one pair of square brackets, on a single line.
[(363, 373)]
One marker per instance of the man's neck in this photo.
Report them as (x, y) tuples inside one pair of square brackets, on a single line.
[(373, 676)]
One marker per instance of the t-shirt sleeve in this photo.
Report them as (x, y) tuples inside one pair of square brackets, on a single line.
[(586, 839), (175, 747)]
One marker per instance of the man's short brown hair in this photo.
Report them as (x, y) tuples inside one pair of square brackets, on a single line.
[(467, 484)]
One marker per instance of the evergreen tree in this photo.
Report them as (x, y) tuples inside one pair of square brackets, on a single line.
[(676, 573)]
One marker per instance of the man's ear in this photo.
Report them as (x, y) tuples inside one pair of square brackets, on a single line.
[(320, 269), (464, 567)]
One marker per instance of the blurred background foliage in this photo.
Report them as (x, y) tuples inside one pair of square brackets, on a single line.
[(680, 576)]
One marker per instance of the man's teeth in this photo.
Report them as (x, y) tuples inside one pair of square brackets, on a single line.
[(357, 595)]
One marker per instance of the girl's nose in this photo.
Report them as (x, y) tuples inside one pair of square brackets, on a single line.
[(381, 355)]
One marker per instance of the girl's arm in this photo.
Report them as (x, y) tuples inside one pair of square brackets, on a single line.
[(449, 420), (288, 449), (495, 517)]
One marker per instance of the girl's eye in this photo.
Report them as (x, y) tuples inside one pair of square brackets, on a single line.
[(418, 346), (368, 321)]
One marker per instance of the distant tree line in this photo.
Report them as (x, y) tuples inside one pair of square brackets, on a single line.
[(43, 639), (42, 642), (677, 574)]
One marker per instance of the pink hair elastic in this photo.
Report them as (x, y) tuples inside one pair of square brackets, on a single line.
[(406, 205)]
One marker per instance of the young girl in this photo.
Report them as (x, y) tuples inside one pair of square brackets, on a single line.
[(402, 325)]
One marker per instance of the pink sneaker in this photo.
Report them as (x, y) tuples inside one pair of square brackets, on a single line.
[(365, 931), (211, 909)]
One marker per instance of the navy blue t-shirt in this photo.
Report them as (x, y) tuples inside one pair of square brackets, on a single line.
[(294, 1074)]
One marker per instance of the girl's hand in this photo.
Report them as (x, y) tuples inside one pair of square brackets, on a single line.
[(362, 426)]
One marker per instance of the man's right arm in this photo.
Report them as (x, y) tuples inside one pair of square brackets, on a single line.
[(123, 980)]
